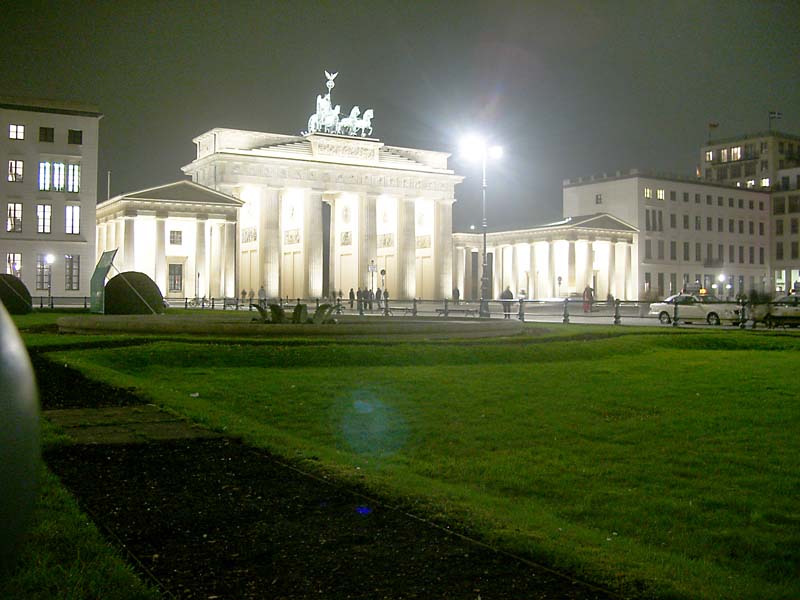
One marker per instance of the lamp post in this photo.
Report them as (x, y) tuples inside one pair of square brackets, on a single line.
[(50, 259), (475, 147)]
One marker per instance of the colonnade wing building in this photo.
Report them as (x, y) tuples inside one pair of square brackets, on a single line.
[(325, 213)]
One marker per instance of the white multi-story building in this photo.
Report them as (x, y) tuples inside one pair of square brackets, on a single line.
[(786, 229), (690, 232), (49, 193)]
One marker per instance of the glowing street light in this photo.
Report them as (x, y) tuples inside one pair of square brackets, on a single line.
[(474, 147)]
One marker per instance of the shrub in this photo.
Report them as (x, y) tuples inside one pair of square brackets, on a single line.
[(133, 293), (14, 295)]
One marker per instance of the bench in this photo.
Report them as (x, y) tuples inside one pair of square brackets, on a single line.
[(405, 310), (467, 312)]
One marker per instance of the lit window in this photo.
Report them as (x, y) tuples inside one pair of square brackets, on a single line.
[(765, 182), (723, 155), (14, 221), (751, 183), (44, 176), (709, 155), (43, 217), (75, 136), (15, 168), (73, 178), (660, 194), (16, 132), (43, 281), (175, 277), (648, 192), (72, 272), (73, 224), (176, 238), (59, 176), (14, 264), (736, 153), (47, 134)]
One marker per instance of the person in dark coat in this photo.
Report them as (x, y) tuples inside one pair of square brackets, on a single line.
[(352, 298), (507, 296), (378, 297), (360, 299), (370, 298)]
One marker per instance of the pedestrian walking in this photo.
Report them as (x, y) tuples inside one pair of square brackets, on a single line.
[(378, 297), (262, 297), (352, 297), (588, 298), (507, 296)]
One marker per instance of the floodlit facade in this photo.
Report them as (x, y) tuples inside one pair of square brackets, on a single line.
[(552, 261), (182, 235), (323, 213), (691, 233), (49, 193), (786, 230)]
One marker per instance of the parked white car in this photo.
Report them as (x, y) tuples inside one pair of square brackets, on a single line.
[(783, 311), (693, 308)]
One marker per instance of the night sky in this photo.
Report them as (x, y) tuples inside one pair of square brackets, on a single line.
[(567, 88)]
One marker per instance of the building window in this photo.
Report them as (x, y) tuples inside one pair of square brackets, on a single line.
[(660, 194), (14, 264), (752, 227), (751, 183), (47, 134), (672, 195), (648, 249), (685, 250), (598, 198), (721, 252), (720, 200), (778, 226), (765, 182), (795, 250), (709, 224), (731, 225), (44, 176), (731, 254), (59, 177), (673, 221), (648, 192), (685, 196), (720, 225), (72, 272), (686, 221), (697, 198), (697, 254), (736, 153), (793, 226), (779, 251), (741, 226), (709, 155), (741, 255), (752, 255), (673, 250), (15, 170), (794, 204), (723, 155), (14, 222), (176, 237), (175, 277), (74, 136), (660, 220), (43, 218), (778, 206), (16, 132), (42, 272), (709, 200), (752, 205), (660, 246), (697, 223), (73, 220), (73, 178), (761, 229)]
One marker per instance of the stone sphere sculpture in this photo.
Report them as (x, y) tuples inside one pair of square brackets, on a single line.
[(20, 452), (133, 293)]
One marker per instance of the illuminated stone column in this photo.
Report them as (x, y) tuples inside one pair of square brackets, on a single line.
[(230, 260), (367, 237), (312, 243), (459, 270), (101, 238), (129, 248), (497, 271), (406, 250), (215, 241), (332, 289), (161, 256), (269, 238), (111, 237), (533, 283), (621, 270), (553, 277), (582, 253), (118, 223), (443, 247), (200, 258), (612, 269)]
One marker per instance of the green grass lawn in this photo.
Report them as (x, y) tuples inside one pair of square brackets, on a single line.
[(658, 460)]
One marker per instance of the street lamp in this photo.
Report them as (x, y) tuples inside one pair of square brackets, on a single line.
[(50, 259), (475, 148)]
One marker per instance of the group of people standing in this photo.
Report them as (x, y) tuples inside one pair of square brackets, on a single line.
[(366, 299)]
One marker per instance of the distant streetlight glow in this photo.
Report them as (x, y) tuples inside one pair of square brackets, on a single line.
[(474, 147)]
